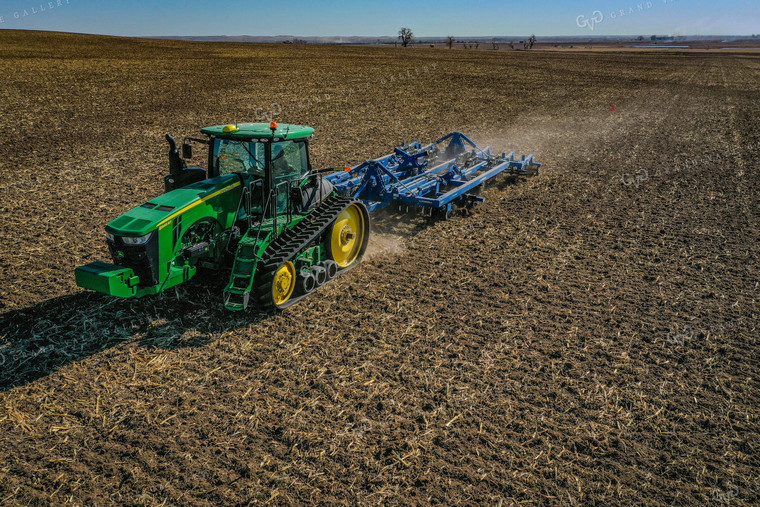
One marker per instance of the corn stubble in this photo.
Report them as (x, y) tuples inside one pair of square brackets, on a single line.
[(521, 352)]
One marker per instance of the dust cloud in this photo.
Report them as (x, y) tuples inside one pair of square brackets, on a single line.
[(382, 245)]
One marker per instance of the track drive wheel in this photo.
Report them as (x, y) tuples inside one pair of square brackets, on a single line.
[(349, 235)]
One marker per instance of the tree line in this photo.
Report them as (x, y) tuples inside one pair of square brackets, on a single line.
[(406, 37)]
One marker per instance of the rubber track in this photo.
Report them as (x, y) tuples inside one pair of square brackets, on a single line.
[(290, 243)]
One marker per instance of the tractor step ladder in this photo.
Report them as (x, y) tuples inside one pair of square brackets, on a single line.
[(237, 293), (238, 290)]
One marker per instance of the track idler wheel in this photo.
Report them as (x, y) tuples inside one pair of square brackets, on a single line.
[(283, 283)]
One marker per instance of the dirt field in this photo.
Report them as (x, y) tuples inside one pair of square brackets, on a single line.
[(588, 336)]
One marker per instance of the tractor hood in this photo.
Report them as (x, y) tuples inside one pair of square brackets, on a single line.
[(159, 211)]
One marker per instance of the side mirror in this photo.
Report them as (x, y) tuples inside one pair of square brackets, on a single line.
[(187, 150)]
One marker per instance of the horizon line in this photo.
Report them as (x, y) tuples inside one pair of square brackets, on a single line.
[(382, 36)]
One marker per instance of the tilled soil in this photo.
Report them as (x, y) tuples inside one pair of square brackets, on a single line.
[(586, 336)]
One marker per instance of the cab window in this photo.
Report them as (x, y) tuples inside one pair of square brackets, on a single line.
[(239, 157), (289, 161)]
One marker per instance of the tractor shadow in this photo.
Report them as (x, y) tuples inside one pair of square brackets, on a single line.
[(38, 340)]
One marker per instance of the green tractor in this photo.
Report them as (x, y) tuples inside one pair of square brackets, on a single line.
[(281, 227), (259, 208)]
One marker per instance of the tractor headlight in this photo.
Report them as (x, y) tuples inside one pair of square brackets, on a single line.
[(110, 237), (128, 240)]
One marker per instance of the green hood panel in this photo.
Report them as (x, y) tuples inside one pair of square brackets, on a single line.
[(159, 211)]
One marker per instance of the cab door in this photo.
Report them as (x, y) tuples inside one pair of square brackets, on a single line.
[(290, 163)]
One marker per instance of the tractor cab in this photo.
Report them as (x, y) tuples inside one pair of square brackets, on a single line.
[(258, 150), (271, 160)]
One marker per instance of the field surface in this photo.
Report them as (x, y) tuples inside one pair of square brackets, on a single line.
[(586, 336)]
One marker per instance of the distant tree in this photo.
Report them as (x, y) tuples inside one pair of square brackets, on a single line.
[(653, 38), (450, 41), (464, 45), (494, 44), (530, 42), (641, 38), (477, 44), (405, 36), (511, 44)]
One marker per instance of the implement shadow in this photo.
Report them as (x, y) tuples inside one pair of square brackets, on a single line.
[(38, 340)]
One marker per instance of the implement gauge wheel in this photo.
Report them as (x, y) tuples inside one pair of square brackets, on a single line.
[(283, 283), (349, 235)]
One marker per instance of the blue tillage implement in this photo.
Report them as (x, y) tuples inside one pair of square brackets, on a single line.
[(429, 177)]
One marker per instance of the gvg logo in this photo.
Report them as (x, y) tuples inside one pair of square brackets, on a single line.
[(31, 11), (635, 179), (261, 114), (676, 337), (725, 497), (596, 18)]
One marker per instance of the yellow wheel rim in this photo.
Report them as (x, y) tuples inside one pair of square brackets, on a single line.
[(284, 283), (347, 236)]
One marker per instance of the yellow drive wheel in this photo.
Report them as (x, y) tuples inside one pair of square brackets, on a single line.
[(348, 236), (283, 284)]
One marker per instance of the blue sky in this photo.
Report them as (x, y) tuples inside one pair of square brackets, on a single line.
[(370, 18)]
